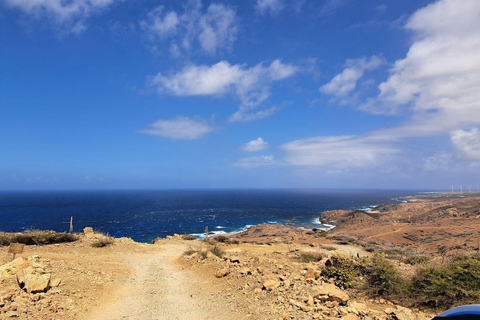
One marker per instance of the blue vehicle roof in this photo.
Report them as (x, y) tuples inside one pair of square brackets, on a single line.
[(471, 309)]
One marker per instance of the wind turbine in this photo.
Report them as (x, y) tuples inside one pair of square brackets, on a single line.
[(452, 188), (461, 189)]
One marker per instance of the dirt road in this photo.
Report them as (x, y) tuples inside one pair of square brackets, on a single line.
[(160, 289)]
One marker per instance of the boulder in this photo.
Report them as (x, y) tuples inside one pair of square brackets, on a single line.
[(10, 269), (330, 292), (350, 316), (222, 273), (35, 283)]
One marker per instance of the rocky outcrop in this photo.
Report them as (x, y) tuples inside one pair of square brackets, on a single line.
[(330, 292), (30, 274)]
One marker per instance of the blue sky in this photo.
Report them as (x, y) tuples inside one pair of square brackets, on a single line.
[(239, 94)]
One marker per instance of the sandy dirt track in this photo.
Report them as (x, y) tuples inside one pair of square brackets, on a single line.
[(160, 289)]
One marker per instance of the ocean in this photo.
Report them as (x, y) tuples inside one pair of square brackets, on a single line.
[(147, 214)]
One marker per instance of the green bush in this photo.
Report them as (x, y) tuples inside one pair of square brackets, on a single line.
[(381, 277), (344, 271), (310, 257), (221, 239), (188, 237), (414, 260), (455, 282)]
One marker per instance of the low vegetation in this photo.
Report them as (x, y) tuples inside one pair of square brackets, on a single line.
[(433, 284), (103, 242), (203, 253), (310, 257), (36, 237), (221, 239)]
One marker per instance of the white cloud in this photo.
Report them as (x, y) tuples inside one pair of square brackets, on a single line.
[(253, 162), (339, 151), (214, 29), (251, 85), (438, 80), (161, 24), (70, 15), (243, 115), (181, 128), (342, 85), (256, 145), (270, 6), (467, 143)]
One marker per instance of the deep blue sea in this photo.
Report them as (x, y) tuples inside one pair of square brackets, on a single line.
[(146, 215)]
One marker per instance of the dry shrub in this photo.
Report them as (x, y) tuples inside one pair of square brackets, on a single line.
[(36, 237)]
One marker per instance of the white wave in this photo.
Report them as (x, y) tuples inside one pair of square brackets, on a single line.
[(322, 226)]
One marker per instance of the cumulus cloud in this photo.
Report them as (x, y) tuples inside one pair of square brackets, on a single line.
[(211, 30), (250, 84), (339, 151), (180, 128), (269, 6), (256, 145), (344, 83), (467, 143), (253, 162), (70, 15), (438, 80)]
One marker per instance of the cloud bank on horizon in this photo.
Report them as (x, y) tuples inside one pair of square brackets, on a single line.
[(419, 98)]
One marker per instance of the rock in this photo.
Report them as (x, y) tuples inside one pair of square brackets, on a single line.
[(245, 271), (357, 307), (310, 301), (310, 274), (11, 314), (350, 316), (222, 273), (37, 283), (270, 284), (10, 269), (400, 313), (55, 282), (330, 292), (88, 232)]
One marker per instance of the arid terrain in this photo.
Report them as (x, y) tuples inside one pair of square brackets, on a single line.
[(425, 224), (267, 272)]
